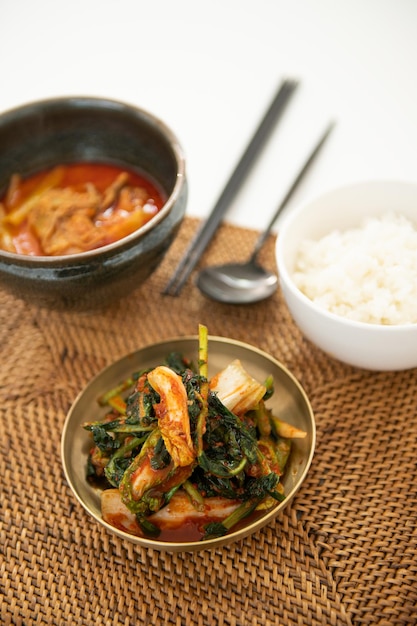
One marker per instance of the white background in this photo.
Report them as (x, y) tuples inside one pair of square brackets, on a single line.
[(210, 68)]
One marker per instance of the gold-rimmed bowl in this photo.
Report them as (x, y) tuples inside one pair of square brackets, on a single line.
[(289, 401)]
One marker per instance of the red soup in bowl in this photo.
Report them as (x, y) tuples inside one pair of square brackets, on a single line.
[(75, 207)]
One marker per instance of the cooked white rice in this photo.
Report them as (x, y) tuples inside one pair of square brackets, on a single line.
[(368, 274)]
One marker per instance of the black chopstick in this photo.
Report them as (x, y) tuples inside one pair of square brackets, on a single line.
[(210, 225), (303, 171)]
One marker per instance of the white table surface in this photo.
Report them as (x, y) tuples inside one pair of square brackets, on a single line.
[(209, 70)]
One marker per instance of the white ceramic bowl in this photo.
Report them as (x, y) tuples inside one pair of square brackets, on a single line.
[(364, 345)]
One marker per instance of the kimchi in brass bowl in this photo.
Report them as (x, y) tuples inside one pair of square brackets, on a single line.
[(288, 401), (47, 253)]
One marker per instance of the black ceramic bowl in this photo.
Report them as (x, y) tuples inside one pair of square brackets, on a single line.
[(42, 134)]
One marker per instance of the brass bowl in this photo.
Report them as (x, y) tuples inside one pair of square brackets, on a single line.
[(289, 402)]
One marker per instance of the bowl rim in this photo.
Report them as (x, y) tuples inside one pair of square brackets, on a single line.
[(105, 103), (165, 546), (285, 275)]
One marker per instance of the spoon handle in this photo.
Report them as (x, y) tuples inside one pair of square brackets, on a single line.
[(209, 227), (260, 242)]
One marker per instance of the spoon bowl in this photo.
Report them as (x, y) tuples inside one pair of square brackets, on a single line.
[(237, 283)]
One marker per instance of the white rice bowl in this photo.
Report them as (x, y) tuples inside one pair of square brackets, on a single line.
[(347, 263)]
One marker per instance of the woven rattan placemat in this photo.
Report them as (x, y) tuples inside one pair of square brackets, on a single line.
[(343, 552)]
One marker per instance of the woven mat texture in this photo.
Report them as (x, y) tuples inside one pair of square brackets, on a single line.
[(343, 552)]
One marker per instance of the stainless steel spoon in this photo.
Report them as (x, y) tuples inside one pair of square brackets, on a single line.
[(243, 283)]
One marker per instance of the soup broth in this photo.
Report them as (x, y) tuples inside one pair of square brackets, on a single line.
[(74, 208)]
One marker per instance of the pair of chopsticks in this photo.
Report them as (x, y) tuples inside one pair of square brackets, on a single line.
[(210, 225)]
